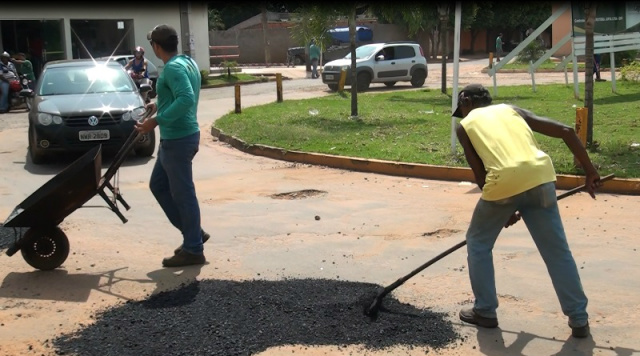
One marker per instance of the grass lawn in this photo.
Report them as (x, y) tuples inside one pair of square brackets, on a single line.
[(232, 79), (415, 125)]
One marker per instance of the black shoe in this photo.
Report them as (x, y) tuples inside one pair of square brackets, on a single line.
[(580, 332), (470, 316), (205, 238), (183, 258)]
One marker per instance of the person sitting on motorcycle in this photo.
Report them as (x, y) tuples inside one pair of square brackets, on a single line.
[(138, 64), (9, 73), (25, 67)]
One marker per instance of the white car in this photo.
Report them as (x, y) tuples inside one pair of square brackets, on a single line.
[(387, 63)]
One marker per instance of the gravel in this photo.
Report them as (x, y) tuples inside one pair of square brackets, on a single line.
[(218, 317)]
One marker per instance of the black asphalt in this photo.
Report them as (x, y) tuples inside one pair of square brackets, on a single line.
[(220, 317)]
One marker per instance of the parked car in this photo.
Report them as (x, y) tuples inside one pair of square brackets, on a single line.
[(80, 103), (387, 63), (152, 70)]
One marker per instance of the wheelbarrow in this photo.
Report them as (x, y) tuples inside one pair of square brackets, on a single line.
[(44, 245)]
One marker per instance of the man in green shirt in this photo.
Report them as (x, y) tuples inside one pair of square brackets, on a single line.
[(171, 181), (498, 47), (24, 66), (314, 55)]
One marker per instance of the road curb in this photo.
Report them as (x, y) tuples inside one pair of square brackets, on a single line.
[(627, 186)]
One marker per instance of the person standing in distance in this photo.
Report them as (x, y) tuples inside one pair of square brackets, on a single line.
[(498, 47), (314, 55), (171, 181), (517, 180)]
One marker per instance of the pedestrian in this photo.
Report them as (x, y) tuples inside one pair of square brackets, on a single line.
[(171, 181), (8, 72), (517, 180), (498, 47), (314, 55), (596, 66)]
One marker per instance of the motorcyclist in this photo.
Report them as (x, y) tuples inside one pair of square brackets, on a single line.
[(9, 73), (138, 65)]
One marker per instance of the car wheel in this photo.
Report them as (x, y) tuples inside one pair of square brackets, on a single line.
[(333, 87), (364, 80), (36, 154), (147, 145), (389, 84), (418, 78), (298, 61)]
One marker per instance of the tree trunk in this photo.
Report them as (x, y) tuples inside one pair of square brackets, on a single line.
[(443, 11), (354, 81), (474, 35), (265, 27), (590, 19)]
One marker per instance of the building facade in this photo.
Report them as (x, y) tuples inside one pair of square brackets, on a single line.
[(47, 31)]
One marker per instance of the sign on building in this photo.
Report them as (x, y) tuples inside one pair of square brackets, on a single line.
[(611, 18)]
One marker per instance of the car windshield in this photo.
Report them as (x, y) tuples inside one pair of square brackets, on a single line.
[(363, 52), (85, 79)]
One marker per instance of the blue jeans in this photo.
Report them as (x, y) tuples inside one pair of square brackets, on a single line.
[(172, 185), (539, 209), (4, 100), (314, 67)]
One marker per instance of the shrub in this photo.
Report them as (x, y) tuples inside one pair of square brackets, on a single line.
[(631, 72), (619, 57), (231, 66), (532, 52), (204, 76)]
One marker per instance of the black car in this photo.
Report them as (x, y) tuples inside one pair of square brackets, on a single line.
[(80, 103)]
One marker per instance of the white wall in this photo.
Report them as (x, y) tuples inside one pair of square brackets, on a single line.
[(144, 17)]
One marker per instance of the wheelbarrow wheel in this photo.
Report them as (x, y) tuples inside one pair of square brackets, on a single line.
[(46, 249)]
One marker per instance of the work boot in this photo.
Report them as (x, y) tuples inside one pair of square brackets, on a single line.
[(183, 258), (580, 332), (205, 238), (469, 315)]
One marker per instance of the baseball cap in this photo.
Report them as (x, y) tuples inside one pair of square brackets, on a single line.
[(470, 91), (162, 34)]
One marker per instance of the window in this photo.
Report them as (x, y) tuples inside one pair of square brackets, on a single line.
[(404, 52)]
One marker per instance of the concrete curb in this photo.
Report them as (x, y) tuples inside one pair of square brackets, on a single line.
[(414, 170)]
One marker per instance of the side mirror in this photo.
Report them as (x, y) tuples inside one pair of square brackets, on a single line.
[(380, 58), (144, 88)]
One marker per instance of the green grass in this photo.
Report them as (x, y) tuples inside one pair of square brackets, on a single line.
[(415, 125), (232, 79)]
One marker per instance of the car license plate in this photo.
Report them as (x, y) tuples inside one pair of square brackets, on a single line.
[(94, 135), (328, 76)]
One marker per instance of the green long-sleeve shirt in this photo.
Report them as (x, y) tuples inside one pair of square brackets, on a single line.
[(178, 89)]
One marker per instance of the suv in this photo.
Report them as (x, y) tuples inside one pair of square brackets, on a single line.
[(386, 63)]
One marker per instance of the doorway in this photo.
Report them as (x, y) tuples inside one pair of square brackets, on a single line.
[(101, 38)]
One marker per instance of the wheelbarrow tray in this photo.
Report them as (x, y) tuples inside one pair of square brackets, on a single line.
[(61, 195)]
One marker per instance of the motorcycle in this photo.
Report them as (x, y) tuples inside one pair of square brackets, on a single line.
[(20, 92), (144, 84)]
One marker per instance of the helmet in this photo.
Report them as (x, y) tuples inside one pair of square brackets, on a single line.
[(6, 54), (139, 49)]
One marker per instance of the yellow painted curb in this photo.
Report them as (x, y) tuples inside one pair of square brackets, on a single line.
[(629, 186)]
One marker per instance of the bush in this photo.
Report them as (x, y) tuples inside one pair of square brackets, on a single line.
[(629, 56), (231, 66), (204, 76), (532, 52), (631, 72)]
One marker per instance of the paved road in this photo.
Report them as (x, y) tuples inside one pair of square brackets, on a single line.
[(371, 228)]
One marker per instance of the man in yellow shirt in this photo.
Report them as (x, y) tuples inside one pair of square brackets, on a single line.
[(517, 180)]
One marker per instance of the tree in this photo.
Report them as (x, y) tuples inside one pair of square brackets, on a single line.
[(215, 20), (443, 12), (265, 32), (313, 23), (589, 24)]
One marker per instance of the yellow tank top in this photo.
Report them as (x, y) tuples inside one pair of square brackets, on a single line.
[(509, 151)]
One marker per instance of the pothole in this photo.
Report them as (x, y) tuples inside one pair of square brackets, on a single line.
[(439, 233), (299, 194)]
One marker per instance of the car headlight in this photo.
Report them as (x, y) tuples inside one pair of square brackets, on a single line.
[(45, 119), (56, 119)]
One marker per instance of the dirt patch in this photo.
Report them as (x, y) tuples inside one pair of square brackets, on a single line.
[(441, 233)]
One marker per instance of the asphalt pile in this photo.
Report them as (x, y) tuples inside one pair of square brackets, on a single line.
[(8, 236), (218, 317)]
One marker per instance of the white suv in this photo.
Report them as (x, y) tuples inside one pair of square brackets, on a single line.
[(386, 63)]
